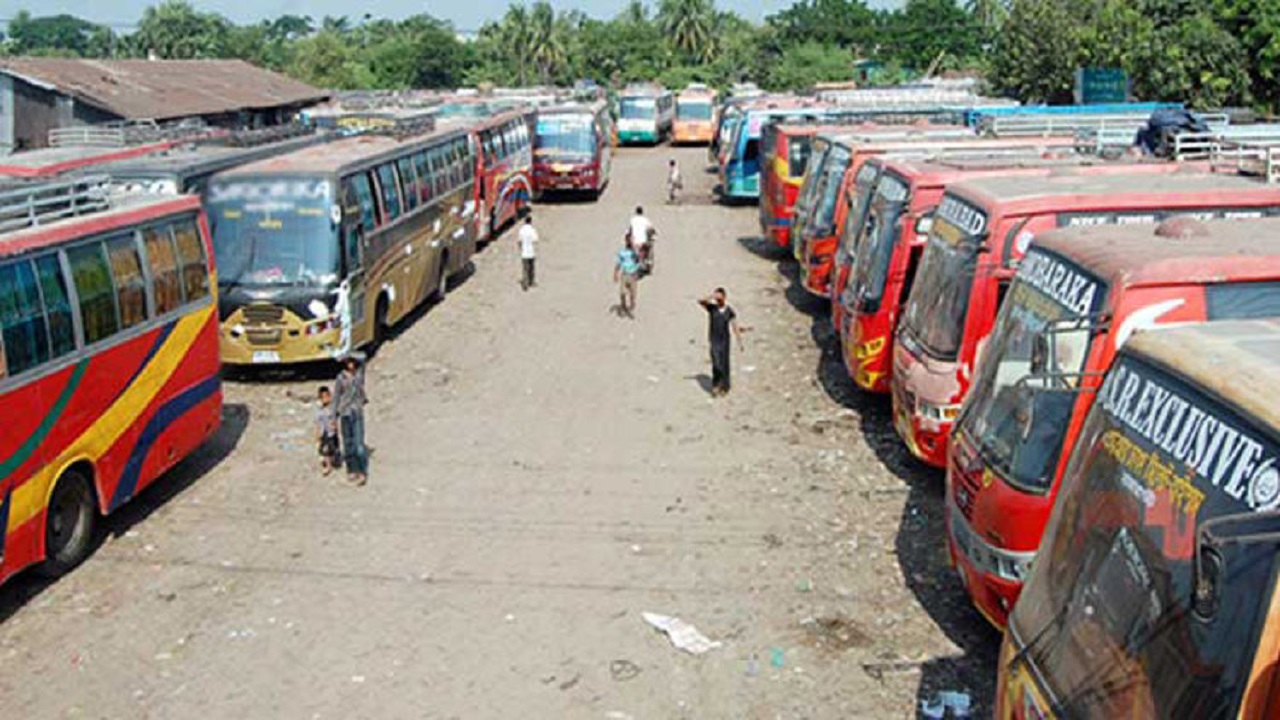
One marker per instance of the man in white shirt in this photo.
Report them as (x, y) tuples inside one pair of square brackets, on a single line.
[(528, 239), (641, 233)]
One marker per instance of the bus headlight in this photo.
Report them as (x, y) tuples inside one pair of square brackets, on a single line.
[(937, 413)]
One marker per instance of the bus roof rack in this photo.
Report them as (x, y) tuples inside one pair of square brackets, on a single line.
[(1224, 140), (30, 205), (1255, 157)]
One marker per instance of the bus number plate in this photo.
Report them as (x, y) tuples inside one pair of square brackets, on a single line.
[(266, 356)]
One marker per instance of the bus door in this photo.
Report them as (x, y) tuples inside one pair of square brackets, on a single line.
[(352, 290)]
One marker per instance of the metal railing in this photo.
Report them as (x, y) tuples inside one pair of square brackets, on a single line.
[(37, 204), (1206, 145), (87, 136), (1260, 158), (123, 134)]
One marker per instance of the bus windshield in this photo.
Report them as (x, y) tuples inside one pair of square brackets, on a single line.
[(863, 185), (274, 231), (812, 178), (693, 109), (939, 301), (1018, 413), (828, 193), (1107, 619), (637, 109), (798, 147), (874, 249), (565, 138)]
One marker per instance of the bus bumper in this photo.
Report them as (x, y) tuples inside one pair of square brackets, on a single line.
[(988, 573), (288, 341), (637, 137)]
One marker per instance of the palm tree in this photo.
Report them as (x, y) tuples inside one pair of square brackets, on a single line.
[(690, 27), (516, 32), (547, 42), (990, 14)]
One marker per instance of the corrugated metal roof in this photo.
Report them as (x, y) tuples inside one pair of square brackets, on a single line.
[(163, 89)]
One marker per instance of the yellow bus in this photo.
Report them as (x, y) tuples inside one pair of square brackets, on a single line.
[(696, 110), (321, 251)]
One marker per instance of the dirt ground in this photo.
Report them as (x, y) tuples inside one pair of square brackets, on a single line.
[(543, 472)]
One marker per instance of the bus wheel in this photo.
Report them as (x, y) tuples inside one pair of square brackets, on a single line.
[(69, 524), (381, 329), (442, 280)]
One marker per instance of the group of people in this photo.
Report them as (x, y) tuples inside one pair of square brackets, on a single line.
[(340, 422)]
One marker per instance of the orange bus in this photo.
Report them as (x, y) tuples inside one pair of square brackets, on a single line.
[(108, 358), (695, 120), (1155, 595), (1078, 296), (980, 232), (885, 254)]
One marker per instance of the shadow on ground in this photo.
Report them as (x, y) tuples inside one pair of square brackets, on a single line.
[(28, 585), (921, 543)]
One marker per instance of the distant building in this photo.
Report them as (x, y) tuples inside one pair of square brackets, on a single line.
[(40, 94)]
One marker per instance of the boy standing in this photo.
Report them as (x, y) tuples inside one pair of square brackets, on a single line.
[(528, 238), (326, 431)]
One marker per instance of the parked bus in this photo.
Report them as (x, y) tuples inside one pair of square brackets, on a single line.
[(48, 163), (872, 287), (504, 170), (730, 113), (645, 115), (1078, 295), (1156, 593), (108, 358), (695, 119), (980, 232), (188, 168), (816, 232), (573, 149), (322, 250), (740, 155)]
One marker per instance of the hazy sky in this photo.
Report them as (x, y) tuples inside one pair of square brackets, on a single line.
[(465, 14)]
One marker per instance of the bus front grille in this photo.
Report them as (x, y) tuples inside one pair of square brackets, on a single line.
[(263, 314), (262, 337)]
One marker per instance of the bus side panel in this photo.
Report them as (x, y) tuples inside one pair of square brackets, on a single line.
[(23, 454)]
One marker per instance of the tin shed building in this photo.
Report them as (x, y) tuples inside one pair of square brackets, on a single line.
[(41, 94)]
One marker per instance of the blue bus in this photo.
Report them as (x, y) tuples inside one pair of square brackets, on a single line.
[(740, 152)]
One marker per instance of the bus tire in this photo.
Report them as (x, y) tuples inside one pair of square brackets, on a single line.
[(381, 328), (70, 523), (442, 280)]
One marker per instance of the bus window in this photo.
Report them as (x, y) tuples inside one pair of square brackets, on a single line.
[(438, 179), (195, 270), (390, 193), (424, 176), (57, 306), (92, 278), (126, 275), (1242, 300), (363, 190), (163, 263), (26, 342), (405, 166)]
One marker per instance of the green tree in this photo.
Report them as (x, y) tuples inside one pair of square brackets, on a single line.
[(65, 34), (175, 30), (1256, 25), (690, 28), (1034, 57), (844, 23), (802, 66), (1195, 61), (929, 33)]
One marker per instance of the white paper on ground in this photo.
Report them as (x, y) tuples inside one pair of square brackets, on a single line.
[(682, 634)]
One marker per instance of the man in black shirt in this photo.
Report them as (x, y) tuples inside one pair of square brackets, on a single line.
[(723, 323)]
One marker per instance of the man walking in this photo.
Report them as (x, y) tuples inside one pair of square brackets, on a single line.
[(528, 238), (723, 323), (642, 233), (626, 272)]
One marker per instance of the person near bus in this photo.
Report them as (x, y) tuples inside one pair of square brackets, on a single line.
[(642, 234), (626, 272), (528, 239), (674, 182), (349, 402), (723, 323)]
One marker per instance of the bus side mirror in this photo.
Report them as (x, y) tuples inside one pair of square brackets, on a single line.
[(924, 224), (1233, 551)]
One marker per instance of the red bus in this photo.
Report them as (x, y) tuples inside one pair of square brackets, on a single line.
[(1079, 294), (980, 232), (573, 149), (108, 359), (1116, 620), (504, 169), (816, 232), (892, 235)]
